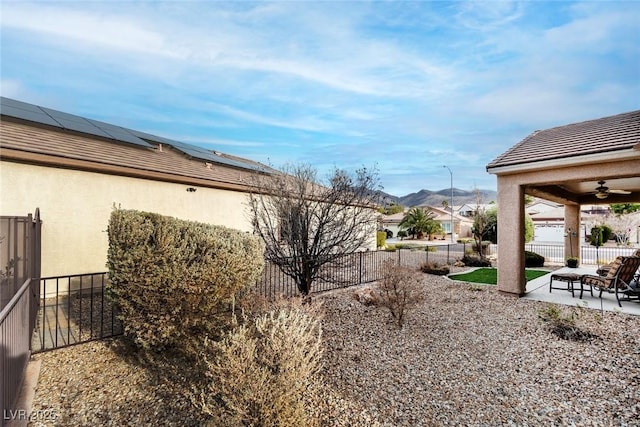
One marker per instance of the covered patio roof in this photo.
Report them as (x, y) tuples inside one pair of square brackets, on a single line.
[(591, 144), (591, 162)]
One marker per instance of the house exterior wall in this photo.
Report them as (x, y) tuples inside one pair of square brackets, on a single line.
[(75, 207)]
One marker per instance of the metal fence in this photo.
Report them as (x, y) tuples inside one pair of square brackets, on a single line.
[(589, 255), (360, 267), (19, 293), (74, 309)]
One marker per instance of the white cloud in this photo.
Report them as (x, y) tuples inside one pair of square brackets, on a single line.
[(115, 31), (421, 83), (12, 88), (488, 15)]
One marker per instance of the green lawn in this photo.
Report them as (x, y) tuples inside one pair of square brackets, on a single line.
[(490, 275)]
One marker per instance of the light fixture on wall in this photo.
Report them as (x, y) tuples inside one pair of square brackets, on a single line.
[(191, 189)]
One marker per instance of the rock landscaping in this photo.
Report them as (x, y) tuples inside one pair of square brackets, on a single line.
[(462, 357)]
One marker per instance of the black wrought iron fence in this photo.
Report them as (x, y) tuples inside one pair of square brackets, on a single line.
[(589, 255), (356, 268), (74, 309)]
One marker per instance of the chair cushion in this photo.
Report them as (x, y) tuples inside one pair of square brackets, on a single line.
[(597, 281), (615, 266)]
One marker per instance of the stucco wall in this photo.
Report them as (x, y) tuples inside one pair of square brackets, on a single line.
[(75, 208)]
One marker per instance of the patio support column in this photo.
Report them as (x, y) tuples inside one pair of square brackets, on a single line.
[(572, 238), (511, 277)]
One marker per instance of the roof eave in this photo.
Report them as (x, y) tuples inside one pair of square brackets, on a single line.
[(566, 162), (40, 159)]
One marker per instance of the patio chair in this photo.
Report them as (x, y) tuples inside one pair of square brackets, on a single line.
[(618, 279), (604, 269)]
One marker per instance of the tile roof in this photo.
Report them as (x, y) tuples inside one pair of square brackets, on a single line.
[(29, 141), (608, 134)]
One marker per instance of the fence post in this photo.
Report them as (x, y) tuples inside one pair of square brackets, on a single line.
[(360, 269), (448, 252)]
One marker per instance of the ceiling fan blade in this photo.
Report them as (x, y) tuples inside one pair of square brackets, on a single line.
[(619, 192)]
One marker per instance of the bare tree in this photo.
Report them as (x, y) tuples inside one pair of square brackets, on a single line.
[(480, 224), (308, 227)]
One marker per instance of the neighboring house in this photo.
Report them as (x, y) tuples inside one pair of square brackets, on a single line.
[(391, 223), (549, 226), (469, 210), (540, 205), (462, 226), (76, 170)]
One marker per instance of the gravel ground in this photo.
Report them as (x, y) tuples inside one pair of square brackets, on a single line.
[(464, 357)]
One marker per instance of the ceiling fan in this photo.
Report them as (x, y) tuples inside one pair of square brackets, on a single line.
[(603, 192)]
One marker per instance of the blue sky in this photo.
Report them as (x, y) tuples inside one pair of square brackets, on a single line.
[(406, 86)]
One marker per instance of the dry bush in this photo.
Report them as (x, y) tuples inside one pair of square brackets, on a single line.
[(175, 280), (259, 372), (435, 268), (564, 325), (400, 290)]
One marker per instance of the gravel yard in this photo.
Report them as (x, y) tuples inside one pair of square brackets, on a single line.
[(464, 357)]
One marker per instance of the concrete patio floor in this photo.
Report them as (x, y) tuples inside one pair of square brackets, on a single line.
[(538, 290)]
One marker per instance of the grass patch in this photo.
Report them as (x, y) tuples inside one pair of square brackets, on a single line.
[(489, 276)]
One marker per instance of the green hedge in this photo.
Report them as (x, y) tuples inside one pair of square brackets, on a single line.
[(532, 259), (170, 277)]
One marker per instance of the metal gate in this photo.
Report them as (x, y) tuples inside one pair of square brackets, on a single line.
[(19, 296)]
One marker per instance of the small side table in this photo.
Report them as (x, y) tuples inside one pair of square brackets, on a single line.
[(568, 278)]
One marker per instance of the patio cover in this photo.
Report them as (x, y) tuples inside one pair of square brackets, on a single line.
[(563, 164)]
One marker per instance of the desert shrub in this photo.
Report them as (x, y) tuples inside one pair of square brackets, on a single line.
[(573, 261), (390, 248), (258, 374), (415, 247), (171, 277), (532, 259), (400, 290), (564, 325), (434, 268), (381, 239), (475, 261)]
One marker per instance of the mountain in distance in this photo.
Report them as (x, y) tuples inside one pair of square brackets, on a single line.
[(435, 198)]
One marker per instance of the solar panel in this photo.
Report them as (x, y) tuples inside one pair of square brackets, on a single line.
[(94, 127), (47, 116), (204, 154), (84, 127), (150, 137), (198, 152), (119, 133), (32, 116), (8, 102)]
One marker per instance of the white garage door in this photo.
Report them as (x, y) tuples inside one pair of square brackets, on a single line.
[(549, 233)]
